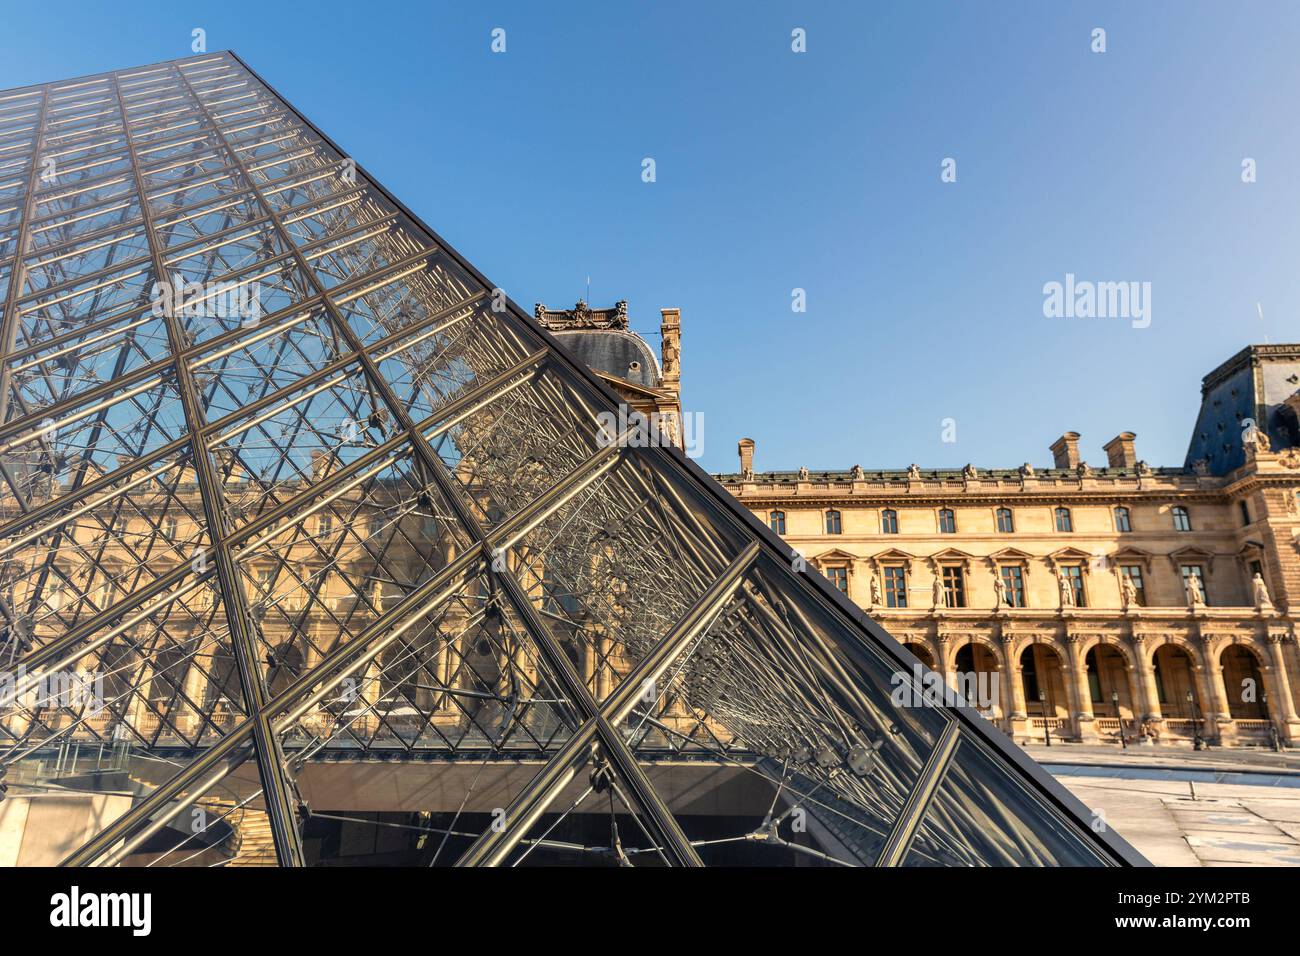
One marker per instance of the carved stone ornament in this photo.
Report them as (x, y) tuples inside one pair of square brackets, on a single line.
[(582, 316)]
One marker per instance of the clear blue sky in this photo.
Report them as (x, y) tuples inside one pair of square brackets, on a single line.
[(820, 171)]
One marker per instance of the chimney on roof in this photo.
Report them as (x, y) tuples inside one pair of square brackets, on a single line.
[(746, 448), (1120, 451), (670, 350), (1065, 451)]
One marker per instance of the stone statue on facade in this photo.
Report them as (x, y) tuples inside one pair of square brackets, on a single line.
[(914, 471), (1262, 599), (803, 474), (1256, 435), (999, 591), (858, 473), (940, 594), (1129, 590), (1067, 592), (875, 591), (1195, 596)]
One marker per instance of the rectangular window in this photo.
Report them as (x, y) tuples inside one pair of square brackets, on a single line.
[(1182, 520), (833, 523), (1074, 574), (1245, 512), (1122, 522), (839, 577), (947, 521), (1006, 524), (889, 521), (1013, 585), (1063, 520), (777, 522), (1134, 574), (896, 587), (954, 585)]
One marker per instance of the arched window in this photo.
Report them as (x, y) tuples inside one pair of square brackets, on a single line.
[(1182, 520), (833, 523), (889, 521), (1122, 522), (1063, 520), (1006, 524), (776, 521), (947, 521)]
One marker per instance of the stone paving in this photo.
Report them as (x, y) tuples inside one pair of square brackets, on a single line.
[(1209, 821)]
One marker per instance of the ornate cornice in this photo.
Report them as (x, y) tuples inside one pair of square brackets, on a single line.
[(581, 316)]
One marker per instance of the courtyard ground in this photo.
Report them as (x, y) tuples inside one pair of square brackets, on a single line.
[(1183, 808)]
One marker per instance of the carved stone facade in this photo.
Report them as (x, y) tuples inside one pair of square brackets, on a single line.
[(1105, 600)]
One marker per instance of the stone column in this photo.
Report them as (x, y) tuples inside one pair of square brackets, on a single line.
[(944, 663), (1077, 678), (1209, 688), (1285, 704), (1148, 704), (1218, 718), (1017, 716)]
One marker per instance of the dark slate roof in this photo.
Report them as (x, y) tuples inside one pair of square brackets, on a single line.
[(1252, 384), (614, 352)]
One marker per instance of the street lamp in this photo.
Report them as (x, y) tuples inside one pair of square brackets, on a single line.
[(1047, 726), (1273, 740), (1114, 699), (1198, 742)]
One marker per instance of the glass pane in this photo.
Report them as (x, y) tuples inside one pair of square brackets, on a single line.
[(984, 814)]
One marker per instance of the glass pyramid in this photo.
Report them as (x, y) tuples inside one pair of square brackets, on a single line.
[(313, 551)]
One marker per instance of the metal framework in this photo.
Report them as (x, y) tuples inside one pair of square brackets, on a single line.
[(303, 522)]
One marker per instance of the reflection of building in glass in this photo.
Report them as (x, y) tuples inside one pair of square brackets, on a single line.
[(361, 582)]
